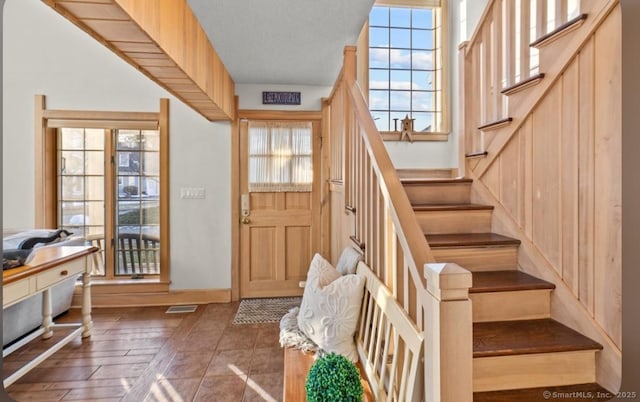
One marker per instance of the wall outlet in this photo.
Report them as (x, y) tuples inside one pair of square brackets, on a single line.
[(193, 193)]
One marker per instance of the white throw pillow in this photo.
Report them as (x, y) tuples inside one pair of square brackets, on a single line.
[(329, 311), (348, 261)]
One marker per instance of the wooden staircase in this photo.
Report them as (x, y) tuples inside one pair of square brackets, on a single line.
[(519, 351)]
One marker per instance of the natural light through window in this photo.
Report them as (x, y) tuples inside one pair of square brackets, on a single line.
[(280, 156), (405, 67)]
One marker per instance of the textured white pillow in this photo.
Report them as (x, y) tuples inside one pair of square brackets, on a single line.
[(348, 261), (329, 314)]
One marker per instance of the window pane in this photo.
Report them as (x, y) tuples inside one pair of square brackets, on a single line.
[(379, 58), (401, 38), (128, 163), (422, 18), (379, 100), (422, 39), (423, 80), (72, 138), (400, 58), (72, 188), (150, 163), (379, 16), (95, 213), (150, 213), (128, 187), (129, 139), (400, 17), (400, 100), (378, 37), (72, 213), (94, 162), (423, 121), (151, 140), (422, 101), (400, 79), (381, 119), (94, 188), (94, 139), (258, 141), (379, 79), (150, 188), (285, 162), (72, 162), (422, 60)]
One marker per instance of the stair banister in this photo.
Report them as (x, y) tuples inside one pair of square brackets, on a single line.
[(383, 222)]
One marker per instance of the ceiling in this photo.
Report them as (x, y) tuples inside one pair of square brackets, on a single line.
[(295, 42)]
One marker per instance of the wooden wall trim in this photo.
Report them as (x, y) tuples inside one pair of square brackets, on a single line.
[(253, 114), (172, 297), (165, 186), (235, 208)]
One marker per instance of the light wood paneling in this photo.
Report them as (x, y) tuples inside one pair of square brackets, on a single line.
[(504, 306), (133, 29), (586, 171), (546, 183), (298, 240), (608, 172), (564, 156), (262, 253)]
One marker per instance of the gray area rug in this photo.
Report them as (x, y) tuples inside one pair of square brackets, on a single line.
[(258, 311)]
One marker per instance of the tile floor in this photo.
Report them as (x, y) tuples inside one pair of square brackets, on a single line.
[(144, 354)]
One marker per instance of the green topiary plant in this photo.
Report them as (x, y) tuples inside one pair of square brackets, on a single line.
[(333, 378)]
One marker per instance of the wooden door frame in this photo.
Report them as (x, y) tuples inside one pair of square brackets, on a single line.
[(316, 116)]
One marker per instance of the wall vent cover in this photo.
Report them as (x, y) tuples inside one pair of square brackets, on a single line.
[(181, 309)]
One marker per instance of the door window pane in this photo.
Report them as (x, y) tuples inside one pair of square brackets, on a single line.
[(280, 156)]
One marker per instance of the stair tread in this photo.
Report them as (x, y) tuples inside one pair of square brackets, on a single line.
[(451, 207), (566, 393), (506, 281), (505, 338), (413, 180), (469, 240)]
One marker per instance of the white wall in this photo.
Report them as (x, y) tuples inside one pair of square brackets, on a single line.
[(46, 54)]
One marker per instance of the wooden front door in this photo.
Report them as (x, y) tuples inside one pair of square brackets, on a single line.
[(280, 205)]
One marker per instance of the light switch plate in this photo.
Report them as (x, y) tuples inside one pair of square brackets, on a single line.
[(193, 193)]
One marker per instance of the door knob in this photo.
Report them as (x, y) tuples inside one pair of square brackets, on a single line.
[(245, 220)]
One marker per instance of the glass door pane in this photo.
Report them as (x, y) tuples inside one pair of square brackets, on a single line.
[(137, 164), (81, 184)]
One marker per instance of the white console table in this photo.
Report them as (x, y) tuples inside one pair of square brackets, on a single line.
[(48, 267)]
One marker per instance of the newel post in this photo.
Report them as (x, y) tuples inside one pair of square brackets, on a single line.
[(350, 64), (448, 334)]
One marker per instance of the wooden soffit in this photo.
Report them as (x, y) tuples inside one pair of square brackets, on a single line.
[(164, 40)]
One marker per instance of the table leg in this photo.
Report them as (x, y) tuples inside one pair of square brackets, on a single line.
[(47, 321), (87, 323)]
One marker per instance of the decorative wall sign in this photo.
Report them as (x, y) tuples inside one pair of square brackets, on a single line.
[(280, 98)]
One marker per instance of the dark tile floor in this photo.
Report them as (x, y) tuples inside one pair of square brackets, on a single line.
[(144, 354)]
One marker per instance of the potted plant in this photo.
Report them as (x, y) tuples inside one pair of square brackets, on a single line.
[(332, 378)]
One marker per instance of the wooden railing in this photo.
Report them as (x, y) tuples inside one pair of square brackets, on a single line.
[(371, 211), (552, 167)]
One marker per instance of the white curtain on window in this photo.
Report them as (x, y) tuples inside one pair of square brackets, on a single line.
[(280, 156)]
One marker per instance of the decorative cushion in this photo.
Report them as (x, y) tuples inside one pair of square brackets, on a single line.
[(329, 311), (348, 261)]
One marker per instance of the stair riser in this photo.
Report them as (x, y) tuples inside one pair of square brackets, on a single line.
[(438, 222), (516, 305), (533, 370), (439, 193), (476, 259)]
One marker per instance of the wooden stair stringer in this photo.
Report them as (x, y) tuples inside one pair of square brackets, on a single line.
[(565, 307), (575, 41)]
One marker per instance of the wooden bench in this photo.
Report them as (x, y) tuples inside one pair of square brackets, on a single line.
[(386, 335)]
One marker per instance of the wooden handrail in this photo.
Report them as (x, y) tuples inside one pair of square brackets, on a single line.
[(411, 237)]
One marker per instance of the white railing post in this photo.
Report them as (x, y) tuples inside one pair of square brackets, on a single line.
[(448, 353)]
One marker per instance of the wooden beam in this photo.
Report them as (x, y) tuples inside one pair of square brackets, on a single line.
[(163, 40)]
